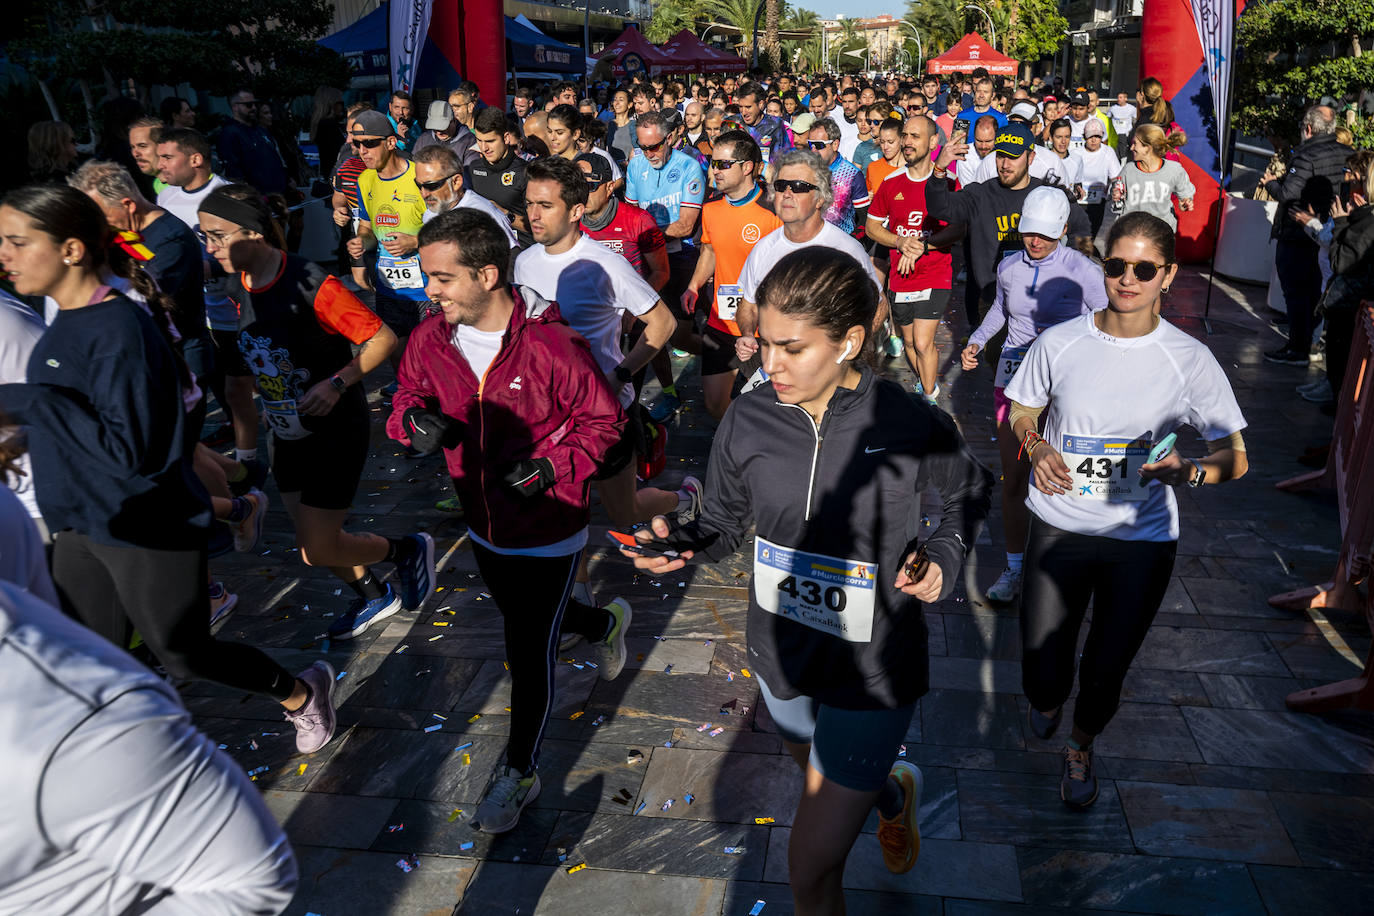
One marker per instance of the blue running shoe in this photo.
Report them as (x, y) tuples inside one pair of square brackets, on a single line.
[(665, 407), (415, 568), (363, 614)]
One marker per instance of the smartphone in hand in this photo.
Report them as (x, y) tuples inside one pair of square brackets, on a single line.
[(630, 543)]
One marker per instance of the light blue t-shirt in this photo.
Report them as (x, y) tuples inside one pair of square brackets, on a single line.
[(664, 192)]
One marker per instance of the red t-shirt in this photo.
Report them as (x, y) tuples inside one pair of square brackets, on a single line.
[(631, 233), (900, 203)]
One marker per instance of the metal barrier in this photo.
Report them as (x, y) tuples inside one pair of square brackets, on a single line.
[(1350, 471)]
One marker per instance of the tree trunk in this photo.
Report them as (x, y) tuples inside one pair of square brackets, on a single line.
[(770, 36)]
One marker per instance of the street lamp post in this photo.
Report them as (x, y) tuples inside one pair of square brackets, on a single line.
[(586, 48), (921, 59), (992, 30)]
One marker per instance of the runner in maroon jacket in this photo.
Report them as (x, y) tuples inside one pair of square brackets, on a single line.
[(525, 418)]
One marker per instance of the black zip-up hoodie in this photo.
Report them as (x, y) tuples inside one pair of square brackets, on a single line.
[(849, 490)]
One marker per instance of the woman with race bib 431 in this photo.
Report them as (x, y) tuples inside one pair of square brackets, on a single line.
[(836, 635), (1113, 387)]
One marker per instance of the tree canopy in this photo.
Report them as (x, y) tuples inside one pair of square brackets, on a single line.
[(1294, 52)]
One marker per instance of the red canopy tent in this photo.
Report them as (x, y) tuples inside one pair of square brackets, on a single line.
[(969, 53), (632, 45), (685, 47)]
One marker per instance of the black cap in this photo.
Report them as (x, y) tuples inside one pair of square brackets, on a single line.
[(600, 167), (1079, 97)]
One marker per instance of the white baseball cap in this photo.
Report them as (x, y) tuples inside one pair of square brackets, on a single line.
[(1024, 110), (1045, 212)]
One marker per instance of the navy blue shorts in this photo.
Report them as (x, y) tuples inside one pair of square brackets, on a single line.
[(854, 748)]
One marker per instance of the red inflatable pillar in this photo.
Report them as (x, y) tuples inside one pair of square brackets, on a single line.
[(467, 39), (484, 48), (1171, 53)]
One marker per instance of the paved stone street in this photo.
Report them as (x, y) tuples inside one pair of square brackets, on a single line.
[(1214, 798)]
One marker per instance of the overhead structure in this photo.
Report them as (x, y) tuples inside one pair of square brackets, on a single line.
[(633, 53), (685, 47), (968, 54)]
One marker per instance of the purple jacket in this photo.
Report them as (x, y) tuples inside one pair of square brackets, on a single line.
[(1034, 295)]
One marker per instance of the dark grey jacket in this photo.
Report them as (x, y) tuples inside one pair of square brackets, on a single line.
[(1312, 180), (849, 490)]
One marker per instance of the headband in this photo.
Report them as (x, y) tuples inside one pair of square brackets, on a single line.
[(238, 212)]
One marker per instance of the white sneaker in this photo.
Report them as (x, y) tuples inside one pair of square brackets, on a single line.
[(1006, 589), (610, 652)]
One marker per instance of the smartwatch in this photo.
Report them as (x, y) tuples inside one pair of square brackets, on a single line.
[(622, 375), (1199, 474), (338, 383)]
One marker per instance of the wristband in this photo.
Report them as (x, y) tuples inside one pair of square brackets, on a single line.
[(1027, 446), (622, 375)]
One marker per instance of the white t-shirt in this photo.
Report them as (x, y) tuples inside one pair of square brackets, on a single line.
[(592, 286), (1067, 171), (1076, 129), (1123, 118), (775, 246), (616, 173), (475, 201), (1099, 169), (20, 328), (1039, 168), (184, 206), (849, 135), (479, 348), (1110, 400)]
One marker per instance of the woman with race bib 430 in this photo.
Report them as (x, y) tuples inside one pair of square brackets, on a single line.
[(1037, 288), (1113, 386), (836, 633)]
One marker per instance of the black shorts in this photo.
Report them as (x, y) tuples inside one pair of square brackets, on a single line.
[(401, 315), (932, 309), (681, 264), (228, 357), (623, 453), (324, 467), (718, 352)]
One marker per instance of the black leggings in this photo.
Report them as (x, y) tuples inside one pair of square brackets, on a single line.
[(165, 595), (532, 593), (1125, 580)]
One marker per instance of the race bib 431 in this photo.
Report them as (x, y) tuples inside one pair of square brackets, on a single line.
[(1106, 469)]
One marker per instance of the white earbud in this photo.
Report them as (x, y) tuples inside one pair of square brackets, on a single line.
[(848, 345)]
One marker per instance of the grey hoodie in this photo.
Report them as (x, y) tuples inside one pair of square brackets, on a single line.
[(849, 491)]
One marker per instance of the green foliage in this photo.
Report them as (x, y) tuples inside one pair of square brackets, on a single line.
[(1040, 30), (1293, 53), (671, 17), (810, 48), (738, 13)]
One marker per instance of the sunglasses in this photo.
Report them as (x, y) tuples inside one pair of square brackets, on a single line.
[(1144, 271), (721, 165), (653, 147), (795, 185), (370, 143), (876, 122), (435, 185), (819, 144)]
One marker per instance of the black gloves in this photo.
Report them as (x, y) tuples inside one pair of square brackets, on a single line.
[(428, 431), (530, 477)]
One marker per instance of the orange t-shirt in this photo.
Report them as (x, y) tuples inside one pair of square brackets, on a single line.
[(732, 231), (878, 169)]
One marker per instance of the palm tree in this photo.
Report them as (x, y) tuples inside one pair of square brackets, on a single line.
[(771, 15), (738, 13), (670, 17), (810, 48)]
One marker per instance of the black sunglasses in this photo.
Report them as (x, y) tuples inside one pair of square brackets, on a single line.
[(795, 185), (436, 184), (876, 122), (1144, 270), (721, 165), (653, 147), (370, 143)]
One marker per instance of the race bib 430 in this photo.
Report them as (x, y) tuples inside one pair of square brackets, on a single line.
[(829, 594)]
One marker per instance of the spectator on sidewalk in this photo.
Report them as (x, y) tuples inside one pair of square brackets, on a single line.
[(1313, 176)]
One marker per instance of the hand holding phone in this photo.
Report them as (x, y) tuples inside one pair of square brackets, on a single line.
[(1161, 451)]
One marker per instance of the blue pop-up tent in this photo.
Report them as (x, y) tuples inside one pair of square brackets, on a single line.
[(364, 44)]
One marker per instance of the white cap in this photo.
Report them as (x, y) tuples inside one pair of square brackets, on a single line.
[(1045, 212), (1025, 110), (439, 116)]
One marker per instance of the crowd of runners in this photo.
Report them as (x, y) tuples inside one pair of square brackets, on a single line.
[(513, 269)]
